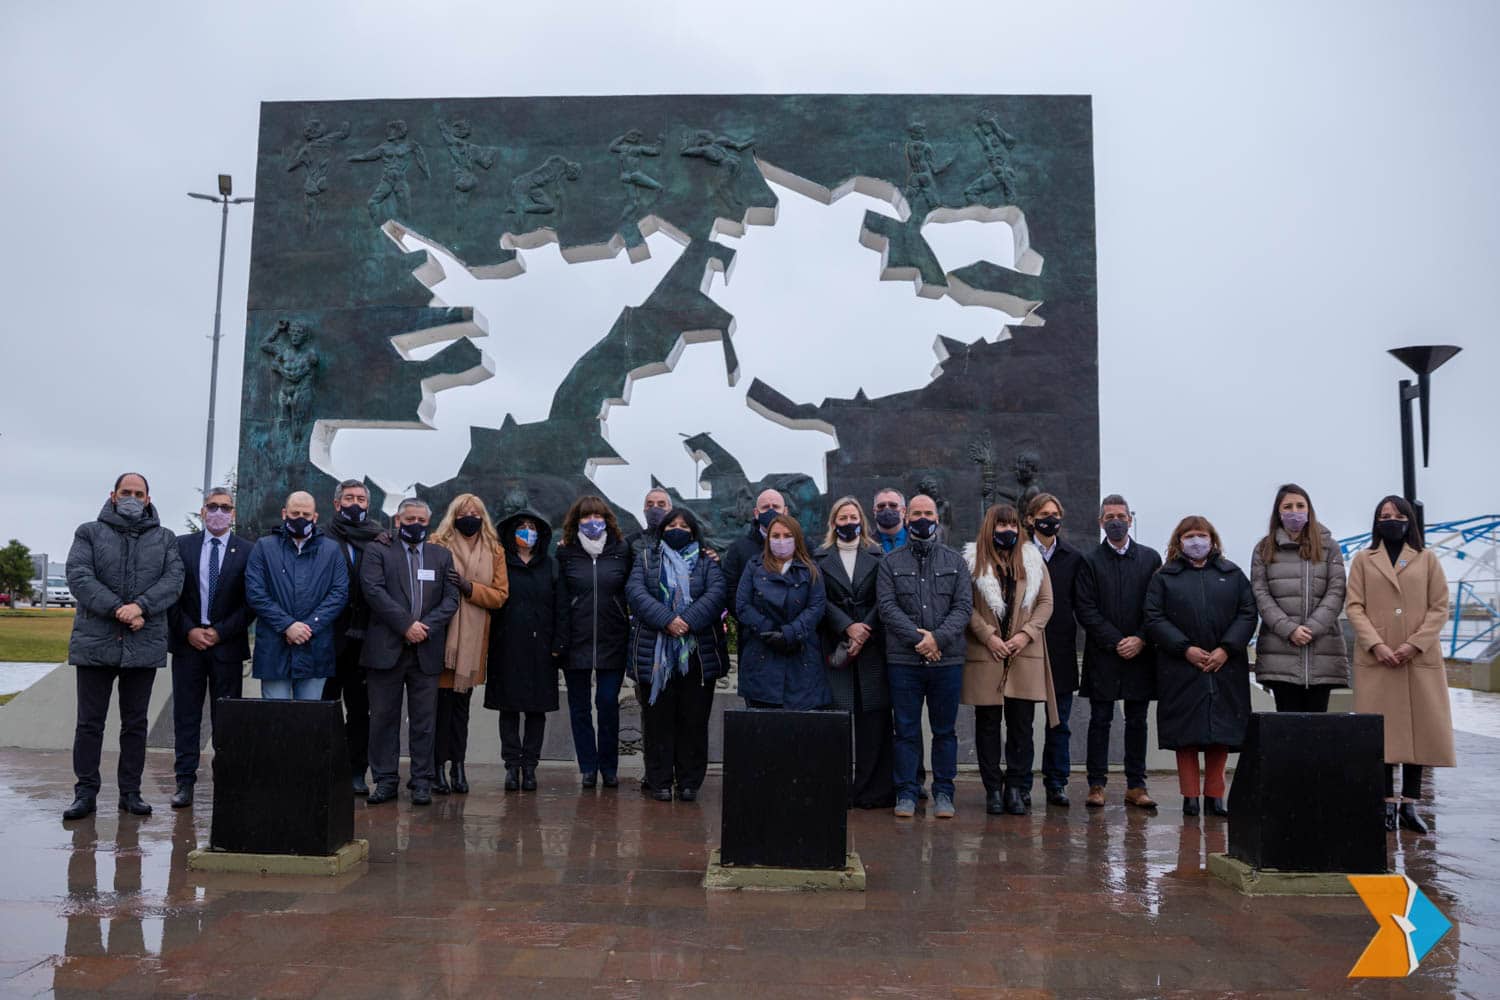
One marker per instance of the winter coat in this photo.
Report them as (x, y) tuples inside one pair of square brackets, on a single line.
[(1211, 608), (491, 596), (924, 585), (744, 551), (1027, 676), (522, 671), (851, 601), (114, 562), (704, 614), (1062, 627), (1291, 591), (592, 623), (1407, 602), (355, 617), (791, 603), (1109, 601), (285, 586)]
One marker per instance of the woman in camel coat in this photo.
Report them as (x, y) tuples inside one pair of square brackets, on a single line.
[(1398, 602), (1006, 670)]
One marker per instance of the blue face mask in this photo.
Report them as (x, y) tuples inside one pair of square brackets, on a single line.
[(526, 536), (847, 532), (677, 538), (593, 529), (655, 516), (765, 517)]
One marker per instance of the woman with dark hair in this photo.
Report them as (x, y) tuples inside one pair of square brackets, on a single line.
[(853, 648), (678, 649), (779, 605), (1200, 615), (1006, 671), (1398, 601), (1044, 518), (1297, 574), (593, 563)]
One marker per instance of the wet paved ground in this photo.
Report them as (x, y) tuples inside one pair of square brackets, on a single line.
[(559, 894)]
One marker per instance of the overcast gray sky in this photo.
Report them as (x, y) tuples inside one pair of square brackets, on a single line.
[(1284, 191)]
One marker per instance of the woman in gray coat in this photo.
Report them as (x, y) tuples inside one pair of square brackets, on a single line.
[(1297, 574)]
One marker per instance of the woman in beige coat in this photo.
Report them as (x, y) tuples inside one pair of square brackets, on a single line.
[(1006, 672), (1398, 601)]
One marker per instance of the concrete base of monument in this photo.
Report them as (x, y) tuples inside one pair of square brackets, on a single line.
[(1268, 882), (721, 876), (345, 859)]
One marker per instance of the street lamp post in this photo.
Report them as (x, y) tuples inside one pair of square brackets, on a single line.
[(226, 187), (1423, 361)]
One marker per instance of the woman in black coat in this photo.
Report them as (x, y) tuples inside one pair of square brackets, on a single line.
[(678, 650), (1044, 517), (522, 668), (593, 563), (1200, 615), (854, 650)]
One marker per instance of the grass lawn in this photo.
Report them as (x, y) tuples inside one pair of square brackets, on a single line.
[(30, 635)]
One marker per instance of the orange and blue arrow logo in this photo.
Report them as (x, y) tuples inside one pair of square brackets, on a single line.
[(1409, 926)]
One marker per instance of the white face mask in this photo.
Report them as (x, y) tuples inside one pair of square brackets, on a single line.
[(1196, 548)]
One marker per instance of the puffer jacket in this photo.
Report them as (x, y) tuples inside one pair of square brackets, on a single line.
[(924, 585), (592, 625), (1291, 591), (704, 615), (114, 562)]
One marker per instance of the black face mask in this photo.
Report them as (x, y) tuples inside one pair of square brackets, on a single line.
[(298, 527), (1048, 526), (1391, 531), (677, 538), (847, 532), (922, 528), (765, 517), (889, 519), (353, 513), (1117, 531), (654, 517), (468, 525), (1006, 539), (412, 534)]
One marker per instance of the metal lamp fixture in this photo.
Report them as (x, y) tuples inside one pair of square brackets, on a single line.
[(1423, 360)]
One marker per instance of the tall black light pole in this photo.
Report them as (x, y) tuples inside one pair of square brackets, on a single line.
[(1424, 361), (226, 187)]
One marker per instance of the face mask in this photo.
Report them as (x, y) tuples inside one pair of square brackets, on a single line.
[(468, 525), (782, 548), (1196, 548), (353, 513), (922, 528), (1006, 539), (654, 517), (217, 521), (1117, 531), (847, 532), (298, 527), (526, 536), (1047, 527), (412, 534), (130, 508), (592, 529), (888, 519), (1391, 531), (1294, 520), (765, 517), (677, 538)]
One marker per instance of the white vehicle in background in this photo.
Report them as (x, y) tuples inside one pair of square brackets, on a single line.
[(58, 594)]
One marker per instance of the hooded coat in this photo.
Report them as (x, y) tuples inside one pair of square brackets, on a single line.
[(115, 561), (284, 586), (1291, 591), (522, 670)]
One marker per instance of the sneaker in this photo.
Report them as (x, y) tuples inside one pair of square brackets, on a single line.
[(942, 805), (906, 807)]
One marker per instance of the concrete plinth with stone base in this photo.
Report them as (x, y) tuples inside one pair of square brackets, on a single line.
[(1269, 882), (354, 853), (722, 876)]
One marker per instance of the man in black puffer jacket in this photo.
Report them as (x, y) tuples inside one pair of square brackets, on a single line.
[(125, 572)]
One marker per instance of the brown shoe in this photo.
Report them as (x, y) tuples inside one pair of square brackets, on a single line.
[(1096, 797), (1139, 798)]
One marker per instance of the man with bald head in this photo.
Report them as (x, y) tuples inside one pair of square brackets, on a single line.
[(297, 584), (751, 545)]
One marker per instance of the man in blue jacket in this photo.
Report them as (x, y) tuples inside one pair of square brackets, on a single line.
[(296, 584)]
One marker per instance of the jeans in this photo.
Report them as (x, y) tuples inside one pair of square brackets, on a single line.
[(1057, 759), (194, 674), (939, 686), (301, 689), (1296, 698), (95, 685), (601, 752), (1101, 714)]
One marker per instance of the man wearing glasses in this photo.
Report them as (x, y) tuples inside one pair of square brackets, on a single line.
[(890, 519), (209, 637)]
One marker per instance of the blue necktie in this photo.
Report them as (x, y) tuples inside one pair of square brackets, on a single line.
[(213, 572)]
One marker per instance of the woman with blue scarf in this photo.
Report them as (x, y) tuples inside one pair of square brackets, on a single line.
[(677, 651)]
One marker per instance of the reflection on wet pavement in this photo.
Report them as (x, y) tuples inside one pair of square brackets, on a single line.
[(558, 893)]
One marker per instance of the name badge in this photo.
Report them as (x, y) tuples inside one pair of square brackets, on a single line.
[(426, 575)]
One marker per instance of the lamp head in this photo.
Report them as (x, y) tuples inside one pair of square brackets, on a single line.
[(226, 185), (1426, 359)]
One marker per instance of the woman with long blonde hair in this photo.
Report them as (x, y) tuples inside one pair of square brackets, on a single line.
[(479, 569)]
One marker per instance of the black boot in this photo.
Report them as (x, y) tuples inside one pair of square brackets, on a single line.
[(83, 805), (132, 803), (1015, 802), (439, 782), (359, 786), (459, 781), (1390, 817), (1058, 797), (1190, 805), (512, 778), (1407, 817), (1215, 807), (528, 777), (994, 802), (184, 796), (590, 779)]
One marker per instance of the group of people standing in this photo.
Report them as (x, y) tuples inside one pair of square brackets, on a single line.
[(883, 619)]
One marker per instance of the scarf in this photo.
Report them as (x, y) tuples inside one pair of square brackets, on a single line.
[(673, 653), (593, 546), (464, 650)]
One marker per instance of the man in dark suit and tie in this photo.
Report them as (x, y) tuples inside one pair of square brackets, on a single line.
[(208, 631), (411, 597)]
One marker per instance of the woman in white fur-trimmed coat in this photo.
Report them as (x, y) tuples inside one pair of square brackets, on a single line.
[(1006, 672)]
